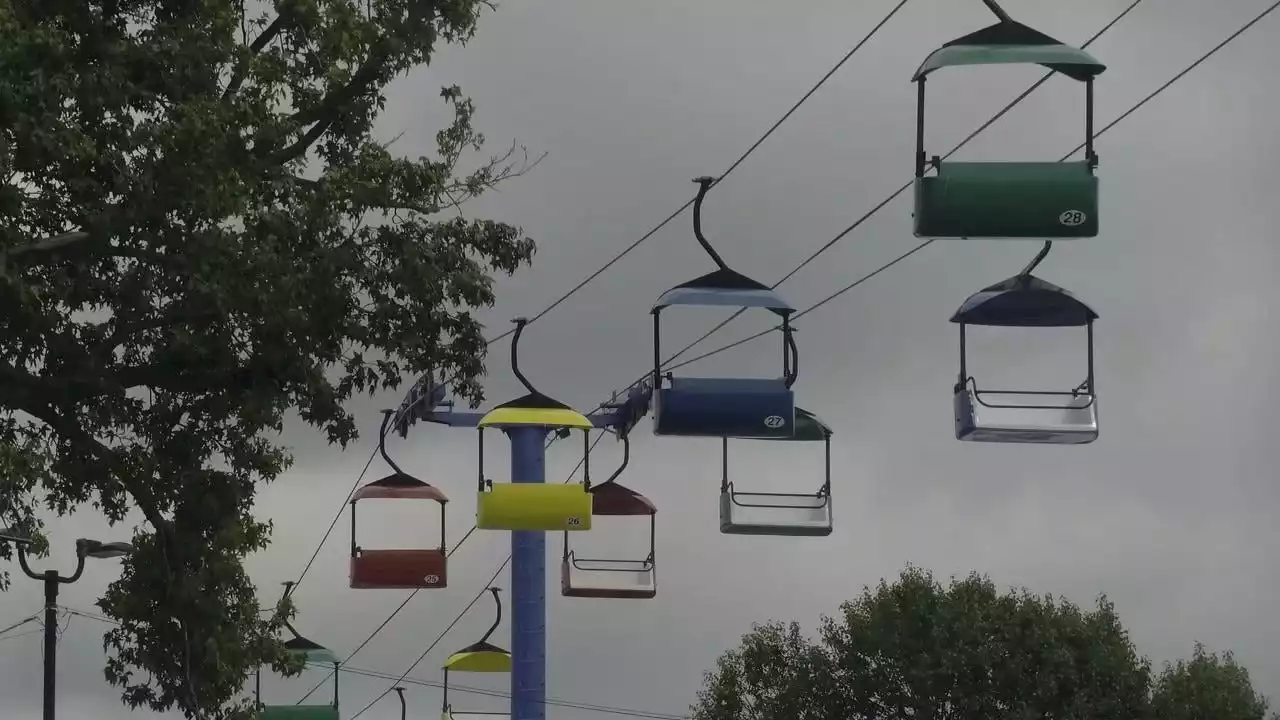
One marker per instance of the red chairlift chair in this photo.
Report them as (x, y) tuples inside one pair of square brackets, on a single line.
[(607, 577), (383, 569)]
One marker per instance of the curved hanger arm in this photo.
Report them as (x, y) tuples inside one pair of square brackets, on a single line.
[(1039, 258), (704, 184), (497, 620), (382, 440), (288, 590), (998, 11), (404, 709), (626, 458), (515, 355), (793, 355)]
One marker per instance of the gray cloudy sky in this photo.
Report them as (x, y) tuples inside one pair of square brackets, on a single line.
[(1170, 513)]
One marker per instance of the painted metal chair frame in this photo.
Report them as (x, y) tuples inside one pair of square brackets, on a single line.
[(766, 513), (592, 577), (312, 653), (533, 506), (1044, 200), (481, 656), (1021, 416), (723, 407), (419, 568)]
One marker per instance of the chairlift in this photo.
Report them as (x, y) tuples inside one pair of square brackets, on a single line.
[(419, 568), (590, 577), (721, 406), (311, 653), (477, 657), (1021, 416), (774, 513), (1039, 199), (533, 506)]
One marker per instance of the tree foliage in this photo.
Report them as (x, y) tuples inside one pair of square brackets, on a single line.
[(917, 650), (1188, 689), (199, 234)]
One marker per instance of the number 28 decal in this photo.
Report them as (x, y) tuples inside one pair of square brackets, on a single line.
[(1072, 218)]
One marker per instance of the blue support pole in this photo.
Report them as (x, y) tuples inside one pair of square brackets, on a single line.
[(528, 585)]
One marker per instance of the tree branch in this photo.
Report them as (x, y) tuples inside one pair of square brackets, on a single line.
[(322, 116), (257, 46), (326, 111), (110, 458)]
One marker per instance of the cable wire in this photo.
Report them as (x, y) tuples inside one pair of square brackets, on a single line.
[(893, 196), (1022, 96), (926, 243), (623, 253)]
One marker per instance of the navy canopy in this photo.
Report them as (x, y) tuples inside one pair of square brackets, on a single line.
[(1024, 301)]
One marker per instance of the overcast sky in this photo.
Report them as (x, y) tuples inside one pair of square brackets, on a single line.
[(1170, 513)]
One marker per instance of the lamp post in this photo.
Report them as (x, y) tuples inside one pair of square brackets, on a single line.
[(85, 548)]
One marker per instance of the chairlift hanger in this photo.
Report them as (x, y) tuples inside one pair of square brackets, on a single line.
[(608, 577), (1054, 200), (1022, 416), (310, 652), (723, 407), (418, 568), (481, 656), (533, 506)]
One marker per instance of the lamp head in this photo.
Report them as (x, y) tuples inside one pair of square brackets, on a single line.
[(14, 536), (100, 550)]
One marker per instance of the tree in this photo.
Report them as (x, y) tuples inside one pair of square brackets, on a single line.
[(915, 649), (199, 235), (1207, 686)]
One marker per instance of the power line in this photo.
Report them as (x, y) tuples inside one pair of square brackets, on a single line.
[(20, 623), (466, 689), (624, 252)]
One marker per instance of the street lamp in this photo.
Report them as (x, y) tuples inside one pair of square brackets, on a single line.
[(85, 548)]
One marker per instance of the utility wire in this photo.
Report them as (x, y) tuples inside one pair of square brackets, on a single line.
[(20, 623), (465, 689), (623, 253)]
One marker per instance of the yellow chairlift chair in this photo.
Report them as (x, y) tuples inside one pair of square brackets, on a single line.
[(533, 506), (477, 657)]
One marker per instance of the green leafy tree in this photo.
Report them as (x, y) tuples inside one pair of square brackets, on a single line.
[(914, 649), (1207, 687), (199, 235)]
